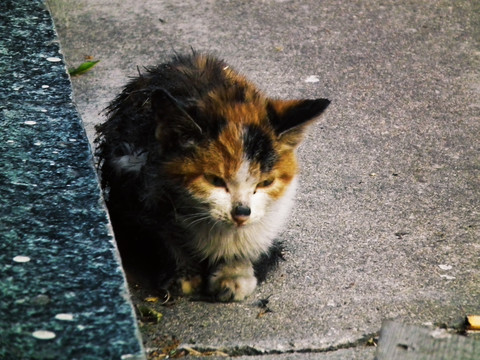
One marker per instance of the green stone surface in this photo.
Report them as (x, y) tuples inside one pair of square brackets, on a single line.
[(57, 254)]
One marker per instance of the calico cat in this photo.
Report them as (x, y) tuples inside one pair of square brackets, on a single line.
[(199, 172)]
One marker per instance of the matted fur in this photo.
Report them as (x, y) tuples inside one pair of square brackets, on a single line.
[(199, 171)]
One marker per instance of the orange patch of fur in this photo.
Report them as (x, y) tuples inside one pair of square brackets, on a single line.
[(221, 158), (224, 156), (283, 172)]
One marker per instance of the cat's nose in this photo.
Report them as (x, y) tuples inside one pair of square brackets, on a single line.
[(240, 214)]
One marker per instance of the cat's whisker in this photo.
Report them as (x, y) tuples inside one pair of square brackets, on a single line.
[(213, 226), (196, 222), (193, 212), (195, 219)]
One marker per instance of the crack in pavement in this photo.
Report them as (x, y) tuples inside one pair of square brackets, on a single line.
[(246, 350)]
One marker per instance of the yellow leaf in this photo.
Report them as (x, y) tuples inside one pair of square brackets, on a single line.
[(473, 322), (152, 299), (150, 314)]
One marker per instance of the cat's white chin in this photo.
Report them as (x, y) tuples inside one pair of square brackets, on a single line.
[(224, 240)]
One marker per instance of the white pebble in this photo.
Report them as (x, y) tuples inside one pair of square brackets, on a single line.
[(128, 357), (29, 122), (54, 59), (43, 334), (312, 79), (445, 267), (64, 317), (448, 277), (45, 86), (21, 259)]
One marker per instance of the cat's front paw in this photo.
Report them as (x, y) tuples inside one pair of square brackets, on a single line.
[(232, 282)]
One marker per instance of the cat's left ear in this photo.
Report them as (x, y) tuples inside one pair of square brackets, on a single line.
[(290, 118)]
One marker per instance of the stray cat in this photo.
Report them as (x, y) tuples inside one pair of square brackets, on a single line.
[(199, 173)]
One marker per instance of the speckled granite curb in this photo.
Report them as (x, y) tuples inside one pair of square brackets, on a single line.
[(62, 291)]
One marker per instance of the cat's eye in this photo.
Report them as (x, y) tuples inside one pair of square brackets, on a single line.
[(265, 183), (215, 180)]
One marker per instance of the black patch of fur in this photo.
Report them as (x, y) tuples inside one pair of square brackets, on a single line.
[(131, 117), (258, 147), (213, 124), (183, 125), (269, 261)]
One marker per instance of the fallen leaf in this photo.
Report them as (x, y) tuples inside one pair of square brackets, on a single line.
[(83, 68), (192, 352), (263, 312), (149, 314), (263, 305), (473, 322), (196, 353), (152, 299)]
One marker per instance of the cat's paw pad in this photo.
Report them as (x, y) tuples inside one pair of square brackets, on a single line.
[(232, 282)]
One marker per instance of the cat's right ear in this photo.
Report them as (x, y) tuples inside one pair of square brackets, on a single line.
[(172, 114)]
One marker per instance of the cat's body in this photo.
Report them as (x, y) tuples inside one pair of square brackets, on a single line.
[(199, 171)]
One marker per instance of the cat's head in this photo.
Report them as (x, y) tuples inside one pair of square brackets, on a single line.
[(235, 157)]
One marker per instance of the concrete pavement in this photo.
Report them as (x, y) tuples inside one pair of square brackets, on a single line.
[(387, 217)]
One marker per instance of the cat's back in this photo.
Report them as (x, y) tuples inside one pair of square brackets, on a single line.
[(188, 78)]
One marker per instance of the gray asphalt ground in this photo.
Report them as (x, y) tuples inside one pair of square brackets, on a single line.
[(387, 218)]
